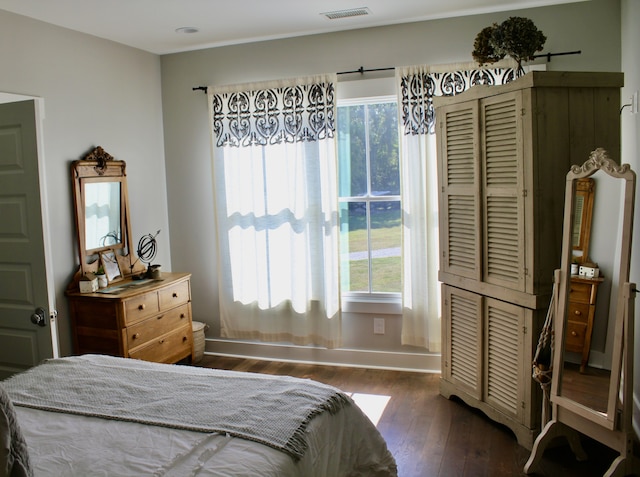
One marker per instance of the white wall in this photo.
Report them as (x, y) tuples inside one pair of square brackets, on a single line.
[(631, 155), (567, 27), (95, 92)]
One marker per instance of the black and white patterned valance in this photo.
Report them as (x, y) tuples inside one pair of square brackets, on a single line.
[(418, 90), (283, 114)]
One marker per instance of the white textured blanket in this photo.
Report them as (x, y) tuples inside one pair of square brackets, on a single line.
[(272, 410)]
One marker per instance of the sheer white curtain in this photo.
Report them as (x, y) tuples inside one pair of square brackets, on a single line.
[(275, 188), (417, 85)]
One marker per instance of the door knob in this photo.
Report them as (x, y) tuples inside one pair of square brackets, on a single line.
[(39, 317)]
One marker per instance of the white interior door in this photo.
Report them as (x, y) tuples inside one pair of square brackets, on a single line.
[(27, 314)]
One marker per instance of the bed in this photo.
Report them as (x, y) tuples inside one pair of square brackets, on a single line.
[(98, 415)]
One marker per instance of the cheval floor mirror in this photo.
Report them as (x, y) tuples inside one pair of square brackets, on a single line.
[(609, 422)]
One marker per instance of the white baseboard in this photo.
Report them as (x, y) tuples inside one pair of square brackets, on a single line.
[(399, 361)]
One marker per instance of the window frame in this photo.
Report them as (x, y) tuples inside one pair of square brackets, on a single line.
[(360, 301)]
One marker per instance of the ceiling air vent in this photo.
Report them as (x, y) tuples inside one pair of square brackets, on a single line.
[(351, 12)]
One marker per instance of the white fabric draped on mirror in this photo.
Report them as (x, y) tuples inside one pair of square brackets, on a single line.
[(417, 85), (274, 172)]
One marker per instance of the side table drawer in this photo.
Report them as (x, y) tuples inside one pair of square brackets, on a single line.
[(166, 348), (141, 307), (574, 340), (153, 327), (578, 312), (174, 295), (580, 292)]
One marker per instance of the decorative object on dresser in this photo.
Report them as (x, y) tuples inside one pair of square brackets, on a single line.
[(503, 153), (147, 249), (148, 318), (604, 412)]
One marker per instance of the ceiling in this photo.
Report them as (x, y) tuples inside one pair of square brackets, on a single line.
[(151, 25)]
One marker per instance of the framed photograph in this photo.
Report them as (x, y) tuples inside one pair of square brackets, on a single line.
[(110, 265)]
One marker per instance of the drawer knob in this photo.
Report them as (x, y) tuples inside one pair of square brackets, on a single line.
[(578, 312), (141, 307), (175, 294), (184, 338), (161, 341), (573, 333), (160, 317), (136, 336), (182, 315)]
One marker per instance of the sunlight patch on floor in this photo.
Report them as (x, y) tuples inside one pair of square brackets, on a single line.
[(373, 405)]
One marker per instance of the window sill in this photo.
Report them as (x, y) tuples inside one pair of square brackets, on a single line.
[(384, 304)]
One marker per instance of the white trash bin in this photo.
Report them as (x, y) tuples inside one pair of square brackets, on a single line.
[(198, 340)]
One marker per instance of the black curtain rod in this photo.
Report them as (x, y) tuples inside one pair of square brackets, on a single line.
[(359, 70), (362, 70), (549, 55)]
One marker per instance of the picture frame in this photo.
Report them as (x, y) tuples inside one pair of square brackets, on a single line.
[(110, 265)]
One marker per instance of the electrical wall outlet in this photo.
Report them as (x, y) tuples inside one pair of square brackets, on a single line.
[(378, 326)]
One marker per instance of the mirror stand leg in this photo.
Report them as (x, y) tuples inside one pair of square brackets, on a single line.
[(539, 446), (626, 463), (617, 468), (552, 430)]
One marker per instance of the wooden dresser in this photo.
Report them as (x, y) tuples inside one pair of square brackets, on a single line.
[(146, 319), (582, 307)]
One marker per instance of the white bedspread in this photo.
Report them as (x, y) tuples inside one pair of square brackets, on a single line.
[(341, 444), (272, 410)]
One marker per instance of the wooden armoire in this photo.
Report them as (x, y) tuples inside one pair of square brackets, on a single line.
[(503, 155)]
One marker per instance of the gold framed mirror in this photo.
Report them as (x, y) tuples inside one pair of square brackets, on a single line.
[(605, 418), (103, 226)]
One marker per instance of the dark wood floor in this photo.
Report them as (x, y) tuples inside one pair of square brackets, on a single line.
[(429, 435), (590, 388)]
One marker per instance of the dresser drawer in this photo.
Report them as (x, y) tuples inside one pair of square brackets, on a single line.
[(574, 340), (141, 307), (579, 312), (580, 292), (174, 295), (167, 348), (161, 324)]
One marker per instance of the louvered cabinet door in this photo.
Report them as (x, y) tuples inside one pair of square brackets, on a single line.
[(505, 357), (458, 169), (502, 195), (462, 334)]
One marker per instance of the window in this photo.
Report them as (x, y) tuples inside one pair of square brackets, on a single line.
[(369, 197)]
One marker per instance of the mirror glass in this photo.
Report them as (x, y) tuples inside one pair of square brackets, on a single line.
[(589, 318), (586, 376), (103, 220)]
